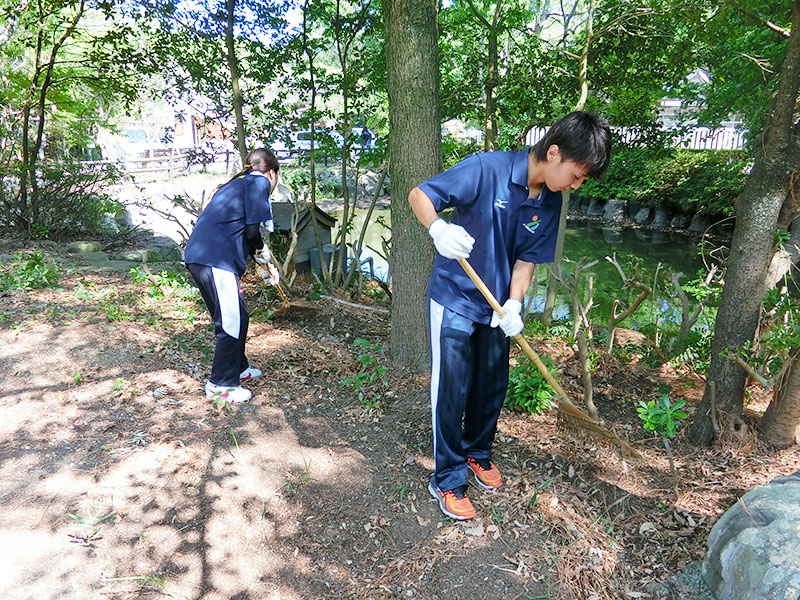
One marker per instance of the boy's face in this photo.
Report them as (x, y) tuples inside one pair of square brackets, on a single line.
[(563, 175)]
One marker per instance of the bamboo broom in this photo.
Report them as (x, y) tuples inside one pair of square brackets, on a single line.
[(566, 408)]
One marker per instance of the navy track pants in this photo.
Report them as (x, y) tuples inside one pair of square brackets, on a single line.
[(469, 377), (223, 298)]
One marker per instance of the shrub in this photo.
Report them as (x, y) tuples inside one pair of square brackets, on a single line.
[(28, 274), (455, 150), (528, 390), (70, 198), (685, 180)]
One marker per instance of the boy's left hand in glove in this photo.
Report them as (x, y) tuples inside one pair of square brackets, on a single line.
[(511, 323)]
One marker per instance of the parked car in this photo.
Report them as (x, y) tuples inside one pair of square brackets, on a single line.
[(137, 143), (323, 138), (280, 149), (363, 138)]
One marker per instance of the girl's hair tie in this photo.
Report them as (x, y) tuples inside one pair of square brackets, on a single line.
[(248, 166)]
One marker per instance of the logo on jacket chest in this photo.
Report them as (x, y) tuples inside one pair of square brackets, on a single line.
[(533, 224), (501, 204)]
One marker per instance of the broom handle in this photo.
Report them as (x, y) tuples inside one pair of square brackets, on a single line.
[(283, 295), (519, 338)]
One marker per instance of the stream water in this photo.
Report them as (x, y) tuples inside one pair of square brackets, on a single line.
[(652, 251)]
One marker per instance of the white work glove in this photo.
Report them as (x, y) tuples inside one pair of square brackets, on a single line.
[(270, 274), (451, 241), (511, 324), (263, 256)]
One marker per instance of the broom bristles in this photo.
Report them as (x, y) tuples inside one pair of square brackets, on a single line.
[(571, 414), (574, 417)]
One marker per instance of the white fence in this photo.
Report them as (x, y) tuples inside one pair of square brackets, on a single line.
[(700, 138), (173, 160)]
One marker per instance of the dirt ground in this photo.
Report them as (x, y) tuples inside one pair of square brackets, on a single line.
[(118, 479)]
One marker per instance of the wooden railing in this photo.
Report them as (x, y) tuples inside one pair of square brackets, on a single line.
[(172, 160)]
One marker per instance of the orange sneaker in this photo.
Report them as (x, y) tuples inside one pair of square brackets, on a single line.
[(454, 503), (486, 474)]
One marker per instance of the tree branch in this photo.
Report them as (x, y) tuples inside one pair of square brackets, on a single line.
[(756, 17), (750, 371), (479, 16)]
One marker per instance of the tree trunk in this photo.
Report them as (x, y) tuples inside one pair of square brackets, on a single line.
[(312, 160), (490, 86), (583, 66), (787, 257), (552, 284), (415, 154), (583, 80), (341, 239), (233, 67), (758, 208), (782, 416)]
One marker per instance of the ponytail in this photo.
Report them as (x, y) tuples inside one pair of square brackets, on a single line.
[(261, 160)]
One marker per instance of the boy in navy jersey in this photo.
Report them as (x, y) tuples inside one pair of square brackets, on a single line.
[(226, 232), (507, 207)]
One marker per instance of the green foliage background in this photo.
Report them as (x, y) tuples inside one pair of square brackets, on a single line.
[(684, 180)]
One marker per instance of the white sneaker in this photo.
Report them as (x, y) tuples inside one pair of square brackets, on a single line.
[(249, 373), (226, 393)]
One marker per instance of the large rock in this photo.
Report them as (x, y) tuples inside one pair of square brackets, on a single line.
[(701, 221), (281, 193), (328, 180), (596, 207), (642, 216), (159, 249), (162, 248), (661, 218), (752, 550), (615, 210), (82, 247), (680, 221), (368, 183)]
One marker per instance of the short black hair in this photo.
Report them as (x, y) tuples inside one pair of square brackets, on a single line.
[(581, 137)]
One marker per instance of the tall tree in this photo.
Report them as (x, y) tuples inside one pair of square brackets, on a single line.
[(482, 40), (492, 26), (347, 26), (414, 155), (217, 55), (53, 79), (236, 86), (782, 417), (772, 179)]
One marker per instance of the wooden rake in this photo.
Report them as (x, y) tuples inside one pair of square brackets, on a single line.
[(265, 276), (567, 410)]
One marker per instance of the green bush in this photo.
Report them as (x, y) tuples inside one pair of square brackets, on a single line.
[(454, 150), (296, 179), (662, 417), (70, 198), (626, 177), (684, 180), (28, 273), (528, 390)]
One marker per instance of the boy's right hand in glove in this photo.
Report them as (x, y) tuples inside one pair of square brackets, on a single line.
[(263, 256), (451, 241), (511, 323), (270, 274)]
